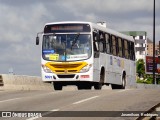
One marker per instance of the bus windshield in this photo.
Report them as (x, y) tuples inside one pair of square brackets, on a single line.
[(66, 47)]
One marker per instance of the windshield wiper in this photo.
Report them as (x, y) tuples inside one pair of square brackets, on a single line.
[(75, 40)]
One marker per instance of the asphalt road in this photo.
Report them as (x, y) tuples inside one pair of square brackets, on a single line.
[(82, 100)]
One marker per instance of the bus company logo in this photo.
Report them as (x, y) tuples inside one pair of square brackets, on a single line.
[(48, 77), (48, 51)]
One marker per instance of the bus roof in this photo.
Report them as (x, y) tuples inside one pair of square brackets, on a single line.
[(95, 26)]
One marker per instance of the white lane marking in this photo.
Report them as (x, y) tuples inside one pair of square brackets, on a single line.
[(85, 100), (46, 113), (27, 97), (9, 100)]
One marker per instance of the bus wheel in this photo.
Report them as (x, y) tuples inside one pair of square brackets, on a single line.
[(123, 83), (98, 85), (120, 86), (57, 86)]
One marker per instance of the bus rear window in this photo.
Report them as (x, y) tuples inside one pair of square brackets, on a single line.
[(67, 28)]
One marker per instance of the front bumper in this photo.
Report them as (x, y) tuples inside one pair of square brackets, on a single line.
[(67, 77)]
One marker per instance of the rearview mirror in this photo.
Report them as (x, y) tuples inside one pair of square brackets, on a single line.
[(37, 40)]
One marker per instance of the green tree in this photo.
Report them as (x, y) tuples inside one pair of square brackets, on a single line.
[(140, 67)]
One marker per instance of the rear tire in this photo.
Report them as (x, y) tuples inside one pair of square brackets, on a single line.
[(57, 86), (114, 86), (123, 83)]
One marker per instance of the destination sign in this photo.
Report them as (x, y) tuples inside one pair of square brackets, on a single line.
[(67, 28)]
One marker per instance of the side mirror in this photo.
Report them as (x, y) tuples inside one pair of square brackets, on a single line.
[(37, 40)]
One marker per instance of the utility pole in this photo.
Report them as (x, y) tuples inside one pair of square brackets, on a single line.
[(154, 80)]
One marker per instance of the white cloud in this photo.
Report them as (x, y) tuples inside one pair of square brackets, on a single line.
[(19, 22), (19, 26), (107, 5)]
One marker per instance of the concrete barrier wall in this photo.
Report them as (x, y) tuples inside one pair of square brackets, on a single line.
[(143, 86), (21, 82), (147, 86)]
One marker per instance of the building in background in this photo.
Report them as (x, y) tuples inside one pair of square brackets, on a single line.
[(150, 48), (140, 42)]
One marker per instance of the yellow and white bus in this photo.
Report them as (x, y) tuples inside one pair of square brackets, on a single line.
[(86, 54)]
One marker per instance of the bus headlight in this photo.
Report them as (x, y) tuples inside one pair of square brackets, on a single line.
[(46, 69), (86, 68)]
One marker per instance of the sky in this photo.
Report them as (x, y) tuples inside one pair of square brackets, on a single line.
[(20, 20)]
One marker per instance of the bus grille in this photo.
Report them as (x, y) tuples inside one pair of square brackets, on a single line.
[(65, 76), (66, 67), (63, 71)]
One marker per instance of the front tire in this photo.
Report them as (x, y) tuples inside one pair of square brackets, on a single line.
[(57, 86), (98, 86)]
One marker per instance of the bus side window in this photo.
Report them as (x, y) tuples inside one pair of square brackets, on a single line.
[(120, 47), (126, 49), (134, 56), (114, 45), (117, 47), (110, 44), (101, 42), (123, 53), (95, 42), (129, 50), (132, 51), (107, 48)]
